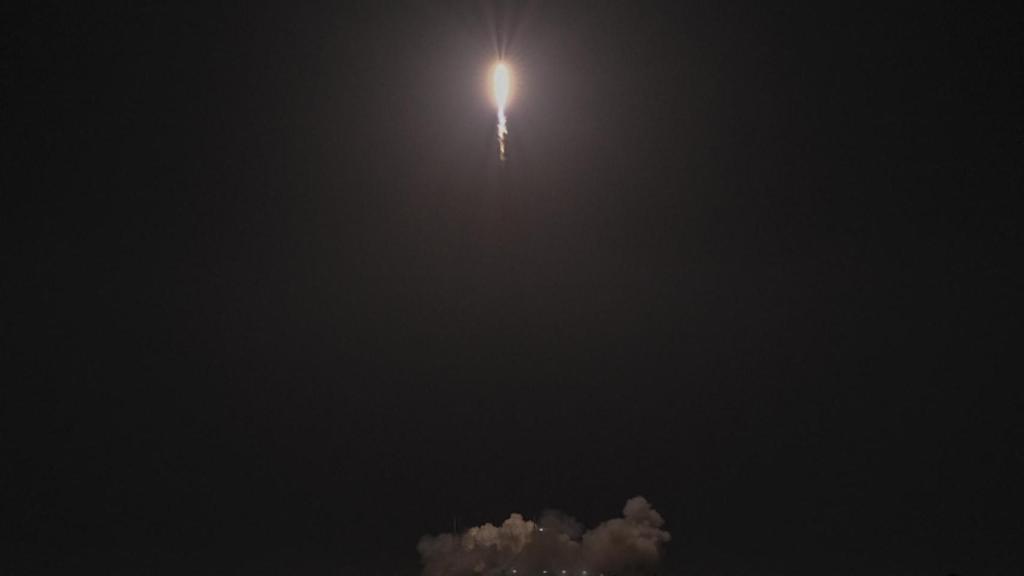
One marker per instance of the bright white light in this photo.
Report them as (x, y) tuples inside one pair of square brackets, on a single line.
[(501, 85)]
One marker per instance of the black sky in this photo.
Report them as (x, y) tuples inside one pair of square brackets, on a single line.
[(273, 306)]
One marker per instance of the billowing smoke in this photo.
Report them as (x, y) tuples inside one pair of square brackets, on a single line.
[(555, 545)]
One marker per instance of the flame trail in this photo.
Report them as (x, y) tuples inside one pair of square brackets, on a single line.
[(501, 85), (502, 135)]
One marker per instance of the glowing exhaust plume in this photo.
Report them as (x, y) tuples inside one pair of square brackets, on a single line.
[(501, 84)]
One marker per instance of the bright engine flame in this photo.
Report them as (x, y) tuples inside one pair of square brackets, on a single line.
[(501, 84)]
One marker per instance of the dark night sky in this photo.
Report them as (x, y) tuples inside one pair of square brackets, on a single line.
[(273, 306)]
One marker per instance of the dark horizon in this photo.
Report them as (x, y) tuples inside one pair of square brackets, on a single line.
[(275, 305)]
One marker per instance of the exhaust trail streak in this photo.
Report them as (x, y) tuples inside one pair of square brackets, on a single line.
[(501, 86)]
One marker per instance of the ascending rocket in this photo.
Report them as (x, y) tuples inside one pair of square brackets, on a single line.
[(501, 85)]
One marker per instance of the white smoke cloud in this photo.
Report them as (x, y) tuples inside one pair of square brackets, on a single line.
[(557, 542)]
